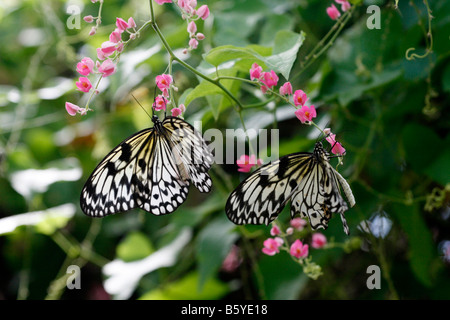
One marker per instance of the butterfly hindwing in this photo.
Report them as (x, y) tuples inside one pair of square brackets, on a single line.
[(146, 171)]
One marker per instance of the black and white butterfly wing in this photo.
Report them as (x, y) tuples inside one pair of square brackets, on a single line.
[(144, 171), (318, 197), (262, 195), (193, 151), (307, 179)]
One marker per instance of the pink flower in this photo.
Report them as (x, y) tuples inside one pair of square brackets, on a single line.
[(107, 68), (337, 148), (245, 162), (160, 103), (255, 72), (299, 250), (83, 84), (163, 82), (182, 107), (333, 12), (298, 223), (85, 66), (271, 246), (108, 47), (73, 109), (275, 230), (270, 79), (192, 28), (193, 43), (286, 88), (115, 36), (318, 241), (176, 112), (306, 114), (121, 24), (203, 12), (300, 97), (163, 1)]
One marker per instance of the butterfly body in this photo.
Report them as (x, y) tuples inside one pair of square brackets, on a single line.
[(306, 179), (152, 170)]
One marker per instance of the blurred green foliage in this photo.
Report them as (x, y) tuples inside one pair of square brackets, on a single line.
[(388, 112)]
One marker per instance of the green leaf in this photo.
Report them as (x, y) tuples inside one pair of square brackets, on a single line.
[(287, 44), (213, 244), (184, 289), (416, 135), (215, 95), (421, 246), (253, 53), (135, 246)]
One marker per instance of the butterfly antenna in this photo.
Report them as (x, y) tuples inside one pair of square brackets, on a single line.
[(140, 105)]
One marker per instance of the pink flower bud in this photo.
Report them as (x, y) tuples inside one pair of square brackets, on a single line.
[(107, 68), (203, 12), (163, 1), (333, 12), (131, 23), (121, 24), (275, 230), (93, 31), (193, 43), (115, 36), (200, 36), (108, 48), (298, 223), (88, 19), (72, 109), (83, 84), (318, 241), (192, 28), (182, 107)]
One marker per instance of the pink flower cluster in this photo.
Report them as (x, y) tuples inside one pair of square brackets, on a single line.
[(104, 65), (164, 82), (191, 14), (245, 162), (297, 249), (334, 13), (268, 80)]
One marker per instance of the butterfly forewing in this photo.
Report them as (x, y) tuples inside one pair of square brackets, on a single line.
[(307, 179), (145, 171), (262, 196)]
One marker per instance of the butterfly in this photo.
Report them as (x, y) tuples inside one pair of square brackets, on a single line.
[(151, 170), (306, 179)]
